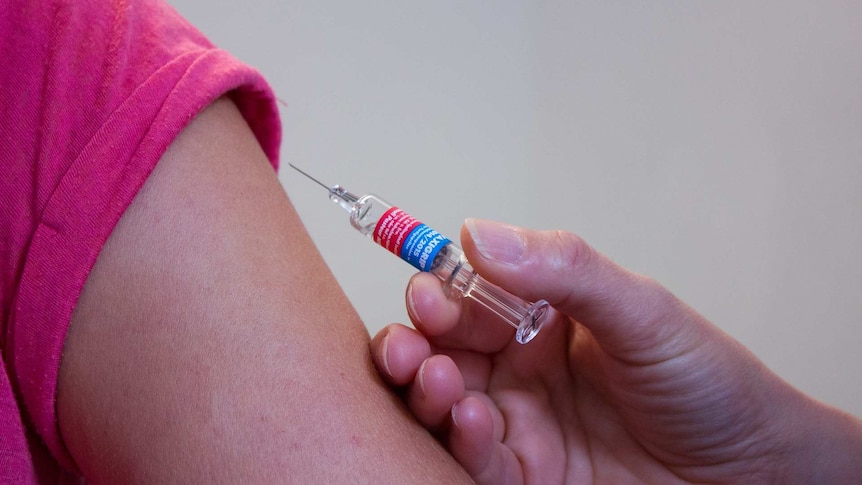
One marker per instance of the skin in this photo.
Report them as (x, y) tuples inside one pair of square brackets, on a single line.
[(625, 384), (212, 345)]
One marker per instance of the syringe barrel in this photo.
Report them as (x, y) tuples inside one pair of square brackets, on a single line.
[(397, 231), (428, 250)]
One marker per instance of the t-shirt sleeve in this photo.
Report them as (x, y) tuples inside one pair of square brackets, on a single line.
[(92, 92)]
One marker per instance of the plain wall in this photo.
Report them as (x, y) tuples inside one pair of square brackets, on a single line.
[(714, 146)]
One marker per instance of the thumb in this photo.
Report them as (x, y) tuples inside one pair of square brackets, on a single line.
[(627, 313)]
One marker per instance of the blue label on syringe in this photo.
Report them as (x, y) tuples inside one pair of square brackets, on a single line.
[(405, 236), (422, 246)]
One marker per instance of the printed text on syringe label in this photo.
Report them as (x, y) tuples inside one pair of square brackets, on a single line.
[(412, 241)]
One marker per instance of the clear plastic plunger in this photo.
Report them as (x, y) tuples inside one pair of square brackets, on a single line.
[(429, 251), (459, 279)]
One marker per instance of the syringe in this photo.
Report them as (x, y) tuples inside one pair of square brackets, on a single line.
[(428, 250)]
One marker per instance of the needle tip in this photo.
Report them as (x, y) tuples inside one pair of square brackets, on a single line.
[(309, 176)]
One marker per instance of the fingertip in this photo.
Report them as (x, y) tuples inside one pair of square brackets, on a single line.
[(471, 438), (471, 415), (494, 241), (437, 386), (397, 352), (529, 260), (430, 310)]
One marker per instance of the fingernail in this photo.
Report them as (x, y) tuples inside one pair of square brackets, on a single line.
[(411, 306), (384, 352), (420, 379), (453, 413), (497, 242)]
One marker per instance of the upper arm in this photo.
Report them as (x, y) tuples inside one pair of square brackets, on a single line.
[(211, 343)]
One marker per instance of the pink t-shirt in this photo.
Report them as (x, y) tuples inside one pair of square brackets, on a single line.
[(92, 92)]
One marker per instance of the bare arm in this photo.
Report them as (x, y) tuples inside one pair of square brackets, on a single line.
[(212, 345)]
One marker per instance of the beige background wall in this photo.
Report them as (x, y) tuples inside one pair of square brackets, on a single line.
[(715, 146)]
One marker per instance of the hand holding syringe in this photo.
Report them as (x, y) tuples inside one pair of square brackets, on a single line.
[(428, 250)]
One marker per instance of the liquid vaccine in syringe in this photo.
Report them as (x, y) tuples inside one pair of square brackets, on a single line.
[(428, 250)]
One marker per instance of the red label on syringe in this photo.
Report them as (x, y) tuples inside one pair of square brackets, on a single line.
[(405, 236)]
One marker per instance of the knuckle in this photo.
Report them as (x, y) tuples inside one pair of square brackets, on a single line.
[(571, 251)]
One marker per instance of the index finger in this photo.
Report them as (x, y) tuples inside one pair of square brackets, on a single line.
[(453, 323)]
